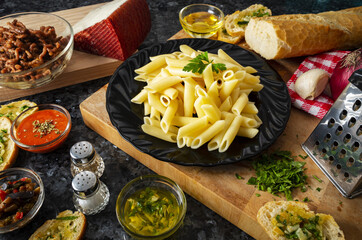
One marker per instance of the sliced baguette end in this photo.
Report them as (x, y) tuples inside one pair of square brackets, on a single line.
[(56, 227)]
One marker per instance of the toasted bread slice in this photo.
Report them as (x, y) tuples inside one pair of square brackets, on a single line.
[(282, 218), (14, 109), (8, 149), (236, 23), (67, 225), (224, 36)]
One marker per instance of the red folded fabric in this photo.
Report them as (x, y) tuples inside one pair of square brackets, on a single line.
[(320, 105)]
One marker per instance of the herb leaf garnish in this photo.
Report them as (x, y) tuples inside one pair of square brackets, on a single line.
[(200, 62), (278, 173)]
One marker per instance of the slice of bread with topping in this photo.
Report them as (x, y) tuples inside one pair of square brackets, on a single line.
[(14, 109), (284, 220), (223, 35), (67, 225), (236, 23), (8, 149)]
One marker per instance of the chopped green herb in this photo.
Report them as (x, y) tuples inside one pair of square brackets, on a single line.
[(1, 114), (1, 160), (278, 173), (306, 199), (297, 135), (238, 176), (4, 130), (261, 13), (67, 218), (303, 188), (242, 22), (9, 106), (317, 178), (303, 157), (318, 189), (257, 194), (340, 202), (24, 107), (200, 62)]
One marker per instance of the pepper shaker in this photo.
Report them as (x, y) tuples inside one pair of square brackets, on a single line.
[(85, 158), (90, 194)]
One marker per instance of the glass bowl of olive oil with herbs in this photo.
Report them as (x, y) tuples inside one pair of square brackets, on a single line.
[(201, 20), (151, 207)]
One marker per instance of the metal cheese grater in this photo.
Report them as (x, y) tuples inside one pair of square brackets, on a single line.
[(335, 144)]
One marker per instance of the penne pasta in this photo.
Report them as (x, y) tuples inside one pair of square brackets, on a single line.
[(247, 132), (182, 121), (146, 108), (162, 83), (227, 88), (190, 128), (230, 134), (140, 97), (158, 133), (208, 76), (169, 115), (240, 103), (152, 66), (208, 134), (192, 109), (154, 101), (228, 75), (215, 142)]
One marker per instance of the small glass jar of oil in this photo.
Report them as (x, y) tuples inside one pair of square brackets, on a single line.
[(201, 20)]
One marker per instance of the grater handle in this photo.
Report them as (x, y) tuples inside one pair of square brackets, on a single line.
[(356, 79)]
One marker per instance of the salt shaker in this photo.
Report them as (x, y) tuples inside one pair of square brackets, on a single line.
[(85, 158), (90, 194)]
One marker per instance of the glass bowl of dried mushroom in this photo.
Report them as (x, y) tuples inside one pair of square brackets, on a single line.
[(35, 48)]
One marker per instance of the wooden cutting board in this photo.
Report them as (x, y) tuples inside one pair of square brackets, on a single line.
[(219, 189), (81, 68)]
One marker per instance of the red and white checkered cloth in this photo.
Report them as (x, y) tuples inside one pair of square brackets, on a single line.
[(320, 105)]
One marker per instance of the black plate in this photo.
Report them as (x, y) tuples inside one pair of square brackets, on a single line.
[(273, 103)]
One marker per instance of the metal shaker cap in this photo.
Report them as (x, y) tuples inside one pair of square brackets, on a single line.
[(82, 152), (85, 183)]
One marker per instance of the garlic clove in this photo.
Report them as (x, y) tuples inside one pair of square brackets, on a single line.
[(311, 84)]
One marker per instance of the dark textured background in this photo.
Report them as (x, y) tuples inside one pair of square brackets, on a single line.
[(200, 222)]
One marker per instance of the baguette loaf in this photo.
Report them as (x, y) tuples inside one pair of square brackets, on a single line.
[(296, 35), (284, 220), (67, 225)]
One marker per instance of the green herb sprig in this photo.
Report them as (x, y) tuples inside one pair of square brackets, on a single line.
[(200, 62), (278, 173)]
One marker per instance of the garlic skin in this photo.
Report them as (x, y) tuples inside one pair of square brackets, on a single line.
[(311, 84)]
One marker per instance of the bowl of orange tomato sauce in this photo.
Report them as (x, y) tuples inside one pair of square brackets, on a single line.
[(42, 131)]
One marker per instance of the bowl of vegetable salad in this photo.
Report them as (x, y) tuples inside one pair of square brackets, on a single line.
[(21, 197)]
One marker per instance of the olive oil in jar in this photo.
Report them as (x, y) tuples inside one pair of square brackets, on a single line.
[(151, 211), (201, 24)]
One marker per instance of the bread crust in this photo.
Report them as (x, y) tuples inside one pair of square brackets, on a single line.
[(11, 150), (295, 35)]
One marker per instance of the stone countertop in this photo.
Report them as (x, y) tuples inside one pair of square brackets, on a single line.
[(54, 168)]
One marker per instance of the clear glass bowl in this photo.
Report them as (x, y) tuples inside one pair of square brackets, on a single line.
[(46, 147), (13, 174), (48, 71), (155, 181), (201, 20)]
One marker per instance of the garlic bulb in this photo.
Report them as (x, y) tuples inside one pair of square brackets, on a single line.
[(311, 84)]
